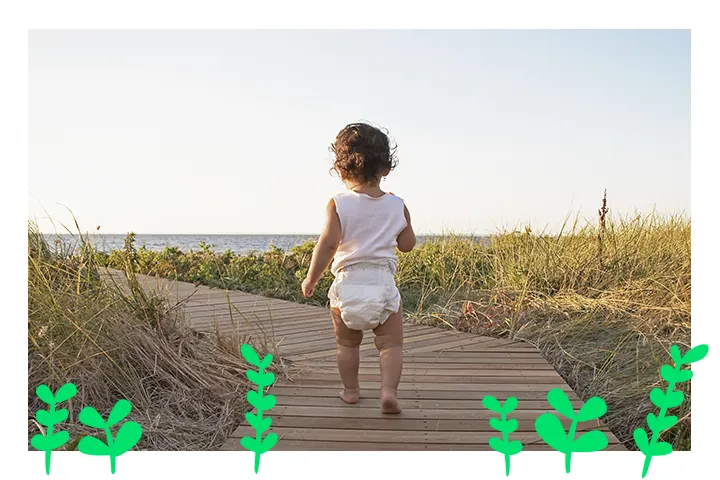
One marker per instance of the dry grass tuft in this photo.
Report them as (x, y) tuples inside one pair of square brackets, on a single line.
[(187, 389)]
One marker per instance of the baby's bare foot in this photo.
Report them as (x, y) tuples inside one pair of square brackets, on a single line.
[(389, 403), (350, 395)]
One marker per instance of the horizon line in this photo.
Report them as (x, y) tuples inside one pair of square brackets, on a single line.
[(248, 234)]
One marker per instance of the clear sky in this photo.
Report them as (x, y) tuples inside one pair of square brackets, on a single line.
[(228, 131)]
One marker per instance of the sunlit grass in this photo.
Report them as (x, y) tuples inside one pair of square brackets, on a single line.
[(602, 300)]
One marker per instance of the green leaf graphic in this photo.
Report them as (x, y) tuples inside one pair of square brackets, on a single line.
[(505, 426), (660, 424), (126, 437), (666, 400), (250, 355), (508, 426), (268, 402), (675, 354), (119, 412), (491, 403), (257, 423), (249, 443), (44, 418), (560, 402), (90, 417), (590, 442), (641, 440), (60, 415), (497, 444), (552, 432), (58, 440), (674, 399), (269, 442), (66, 392), (266, 361), (661, 448), (261, 402), (513, 448), (50, 418), (510, 404), (45, 394), (669, 374), (696, 354), (261, 380), (657, 397), (39, 442), (50, 443), (93, 446), (594, 408)]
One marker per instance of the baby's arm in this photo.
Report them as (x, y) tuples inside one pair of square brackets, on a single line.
[(325, 249), (406, 240)]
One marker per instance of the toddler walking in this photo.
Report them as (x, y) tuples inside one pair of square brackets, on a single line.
[(364, 226)]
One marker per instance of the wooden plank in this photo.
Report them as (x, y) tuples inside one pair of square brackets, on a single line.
[(445, 376), (323, 345), (500, 359), (366, 350), (330, 353), (410, 369), (287, 444), (245, 301), (447, 342), (333, 377), (326, 330), (263, 316), (370, 400), (479, 348), (283, 390), (339, 410), (470, 356), (387, 436), (310, 445), (408, 425), (430, 386), (411, 362)]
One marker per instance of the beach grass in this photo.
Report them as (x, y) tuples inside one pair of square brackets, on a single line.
[(603, 300), (114, 340)]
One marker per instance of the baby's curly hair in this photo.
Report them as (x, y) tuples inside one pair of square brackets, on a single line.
[(362, 153)]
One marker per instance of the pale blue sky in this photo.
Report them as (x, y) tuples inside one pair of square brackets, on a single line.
[(227, 131)]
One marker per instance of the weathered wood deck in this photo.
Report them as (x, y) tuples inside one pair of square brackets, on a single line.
[(445, 376)]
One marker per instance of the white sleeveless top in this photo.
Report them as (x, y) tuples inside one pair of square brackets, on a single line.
[(369, 229)]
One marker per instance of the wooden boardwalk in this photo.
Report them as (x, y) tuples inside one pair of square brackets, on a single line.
[(445, 376)]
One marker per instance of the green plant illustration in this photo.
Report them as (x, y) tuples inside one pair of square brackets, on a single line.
[(126, 437), (671, 398), (551, 429), (50, 418), (261, 402), (505, 426)]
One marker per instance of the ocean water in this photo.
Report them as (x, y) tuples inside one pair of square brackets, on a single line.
[(240, 244)]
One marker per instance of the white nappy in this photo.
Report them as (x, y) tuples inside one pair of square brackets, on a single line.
[(366, 294)]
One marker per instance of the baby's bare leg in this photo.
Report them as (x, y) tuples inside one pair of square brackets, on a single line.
[(389, 341), (348, 357)]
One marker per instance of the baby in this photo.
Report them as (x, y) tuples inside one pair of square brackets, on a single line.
[(364, 227)]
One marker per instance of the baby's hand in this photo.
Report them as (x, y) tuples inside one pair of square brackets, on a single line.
[(307, 288)]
